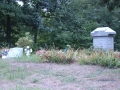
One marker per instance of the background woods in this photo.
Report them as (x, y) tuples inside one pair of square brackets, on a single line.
[(57, 22)]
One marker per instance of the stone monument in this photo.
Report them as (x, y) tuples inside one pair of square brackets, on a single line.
[(103, 38)]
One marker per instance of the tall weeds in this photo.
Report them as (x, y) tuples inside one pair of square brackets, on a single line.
[(103, 58), (57, 56)]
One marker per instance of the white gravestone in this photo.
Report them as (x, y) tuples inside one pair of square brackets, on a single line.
[(103, 38), (15, 52)]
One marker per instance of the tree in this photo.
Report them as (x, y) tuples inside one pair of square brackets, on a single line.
[(111, 4), (32, 10), (65, 23), (10, 11)]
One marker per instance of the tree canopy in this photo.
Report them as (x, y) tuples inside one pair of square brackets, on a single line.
[(57, 22)]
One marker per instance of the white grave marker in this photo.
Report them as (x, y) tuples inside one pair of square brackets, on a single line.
[(15, 52)]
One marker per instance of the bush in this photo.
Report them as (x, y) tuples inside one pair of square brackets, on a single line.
[(25, 41)]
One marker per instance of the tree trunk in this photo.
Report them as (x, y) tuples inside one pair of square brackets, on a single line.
[(35, 36), (8, 32)]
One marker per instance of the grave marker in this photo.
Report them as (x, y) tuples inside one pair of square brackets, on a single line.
[(15, 52), (103, 38)]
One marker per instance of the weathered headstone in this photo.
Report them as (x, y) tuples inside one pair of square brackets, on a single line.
[(15, 52), (103, 38)]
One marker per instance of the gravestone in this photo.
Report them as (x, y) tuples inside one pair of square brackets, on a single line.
[(15, 52), (103, 38)]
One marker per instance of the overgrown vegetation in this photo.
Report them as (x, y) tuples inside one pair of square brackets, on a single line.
[(107, 59), (57, 56)]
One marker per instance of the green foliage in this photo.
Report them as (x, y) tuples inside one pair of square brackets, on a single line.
[(63, 22), (68, 25), (64, 38), (111, 4), (10, 13), (27, 40), (105, 59)]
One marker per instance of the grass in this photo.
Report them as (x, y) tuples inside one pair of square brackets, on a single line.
[(94, 74), (64, 77), (108, 59), (18, 76), (20, 87), (103, 58), (11, 73), (17, 72), (32, 58), (57, 56)]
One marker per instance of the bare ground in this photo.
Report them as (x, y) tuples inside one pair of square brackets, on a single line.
[(49, 76)]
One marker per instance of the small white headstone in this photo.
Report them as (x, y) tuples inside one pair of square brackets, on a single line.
[(15, 52)]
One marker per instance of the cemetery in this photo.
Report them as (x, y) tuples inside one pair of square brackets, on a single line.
[(103, 47), (63, 66), (59, 45)]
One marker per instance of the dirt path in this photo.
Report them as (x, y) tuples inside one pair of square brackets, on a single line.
[(47, 76)]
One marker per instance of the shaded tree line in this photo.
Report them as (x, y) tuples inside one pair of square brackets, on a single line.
[(57, 22)]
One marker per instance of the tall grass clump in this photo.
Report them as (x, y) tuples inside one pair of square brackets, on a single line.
[(57, 56), (103, 58)]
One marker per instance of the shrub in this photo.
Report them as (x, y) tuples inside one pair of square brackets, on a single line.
[(27, 40)]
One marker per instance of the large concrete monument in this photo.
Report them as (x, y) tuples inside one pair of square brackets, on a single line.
[(103, 38)]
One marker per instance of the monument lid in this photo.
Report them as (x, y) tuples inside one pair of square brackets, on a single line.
[(103, 31)]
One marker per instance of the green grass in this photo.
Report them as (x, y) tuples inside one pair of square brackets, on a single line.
[(18, 73), (21, 75), (32, 58), (13, 73)]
